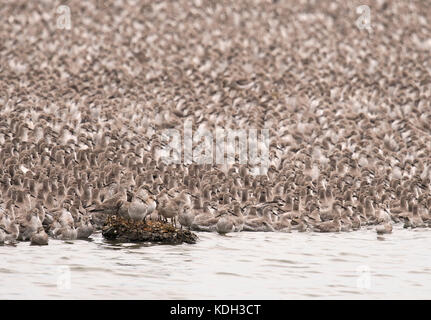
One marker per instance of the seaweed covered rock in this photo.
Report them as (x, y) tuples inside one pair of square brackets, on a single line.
[(118, 228)]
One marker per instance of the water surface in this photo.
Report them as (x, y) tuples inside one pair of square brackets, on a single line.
[(353, 265)]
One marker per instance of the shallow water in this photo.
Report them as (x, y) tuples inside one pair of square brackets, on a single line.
[(244, 265)]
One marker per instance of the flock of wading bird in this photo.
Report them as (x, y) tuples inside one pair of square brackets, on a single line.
[(82, 112), (62, 178)]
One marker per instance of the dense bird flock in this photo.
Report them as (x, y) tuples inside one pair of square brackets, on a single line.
[(82, 112)]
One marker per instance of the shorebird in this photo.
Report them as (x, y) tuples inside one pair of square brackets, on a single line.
[(263, 223), (314, 214), (224, 225), (329, 226), (63, 227), (28, 225), (356, 221), (329, 213), (39, 238), (282, 223), (237, 216), (186, 217), (399, 211), (141, 206), (84, 228), (346, 223), (300, 224), (135, 210), (183, 198), (2, 236), (168, 209), (113, 204), (414, 220), (10, 227), (65, 233), (204, 220), (369, 210), (382, 215), (384, 228), (361, 214)]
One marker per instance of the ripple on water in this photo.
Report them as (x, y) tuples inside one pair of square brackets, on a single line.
[(228, 274), (349, 292), (313, 295), (45, 284), (86, 268), (286, 261), (313, 266), (419, 272), (5, 270), (313, 271), (339, 260)]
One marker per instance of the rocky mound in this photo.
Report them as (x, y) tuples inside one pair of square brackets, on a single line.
[(118, 228)]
